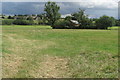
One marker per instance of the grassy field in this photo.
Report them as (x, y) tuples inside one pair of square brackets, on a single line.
[(42, 52), (114, 28)]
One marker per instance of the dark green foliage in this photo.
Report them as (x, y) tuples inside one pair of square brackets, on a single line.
[(22, 22), (94, 19), (68, 18), (31, 22), (21, 17), (33, 14), (42, 19), (3, 17), (52, 12), (113, 21), (79, 16), (7, 22), (62, 24), (41, 16), (83, 19), (10, 17), (87, 24), (42, 22), (117, 22), (104, 22), (30, 18), (83, 22)]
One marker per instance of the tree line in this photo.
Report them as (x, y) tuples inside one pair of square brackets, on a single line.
[(77, 20)]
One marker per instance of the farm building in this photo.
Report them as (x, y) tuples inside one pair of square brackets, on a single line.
[(75, 23)]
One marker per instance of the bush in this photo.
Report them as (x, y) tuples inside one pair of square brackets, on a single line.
[(104, 22), (30, 22), (23, 22), (61, 24), (7, 22), (90, 24), (41, 22), (87, 24), (3, 17), (10, 17), (30, 18), (66, 24), (117, 22)]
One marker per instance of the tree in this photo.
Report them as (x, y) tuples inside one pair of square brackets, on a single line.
[(113, 21), (52, 12), (3, 17), (10, 17), (82, 18), (68, 18), (30, 18), (22, 17), (41, 18), (117, 22), (104, 22)]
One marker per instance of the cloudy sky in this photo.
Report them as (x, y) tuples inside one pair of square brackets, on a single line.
[(94, 8)]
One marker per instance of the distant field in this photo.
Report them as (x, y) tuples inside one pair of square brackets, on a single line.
[(39, 51), (114, 27), (28, 26)]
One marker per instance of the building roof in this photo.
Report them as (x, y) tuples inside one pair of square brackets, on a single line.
[(74, 21)]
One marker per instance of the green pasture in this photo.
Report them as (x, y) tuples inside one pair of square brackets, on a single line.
[(43, 52)]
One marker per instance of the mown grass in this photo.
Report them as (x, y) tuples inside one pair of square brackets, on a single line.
[(39, 51), (114, 27)]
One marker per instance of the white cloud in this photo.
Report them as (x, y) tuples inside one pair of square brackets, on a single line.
[(87, 3), (103, 4), (63, 16)]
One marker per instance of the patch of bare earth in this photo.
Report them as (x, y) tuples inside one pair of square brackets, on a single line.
[(51, 67)]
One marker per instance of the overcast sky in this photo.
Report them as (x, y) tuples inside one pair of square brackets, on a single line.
[(59, 0), (94, 8)]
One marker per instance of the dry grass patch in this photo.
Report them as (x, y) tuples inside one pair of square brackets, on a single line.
[(11, 65), (52, 67)]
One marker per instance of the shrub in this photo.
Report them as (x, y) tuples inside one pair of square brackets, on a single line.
[(104, 22), (30, 18), (90, 24), (66, 24), (7, 22), (61, 24), (30, 22), (117, 22), (3, 17), (87, 24), (10, 17), (23, 22), (41, 22)]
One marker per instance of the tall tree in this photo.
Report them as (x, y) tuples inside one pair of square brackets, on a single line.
[(82, 18), (52, 12)]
